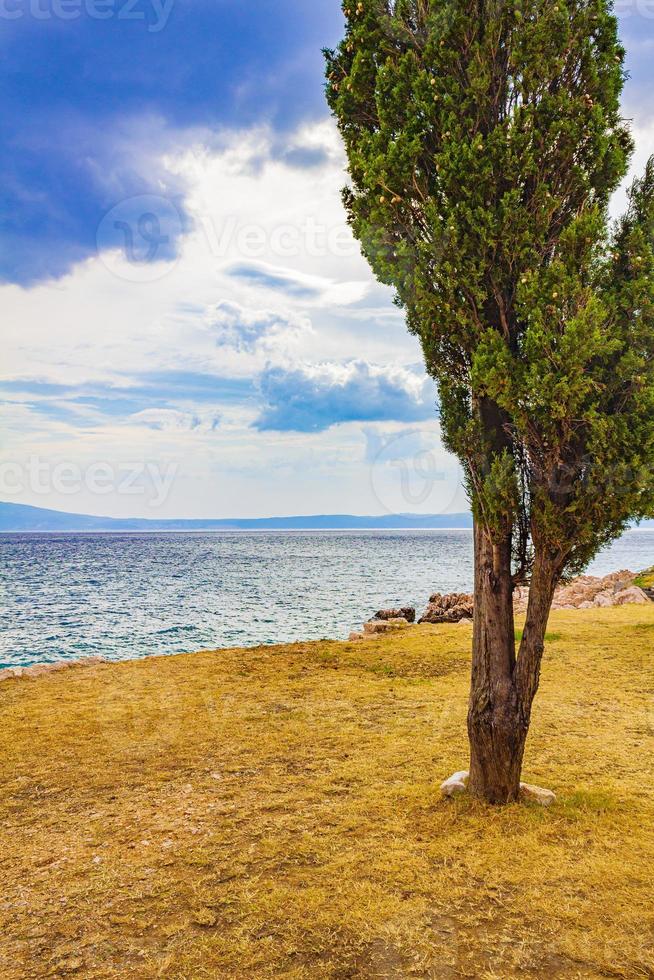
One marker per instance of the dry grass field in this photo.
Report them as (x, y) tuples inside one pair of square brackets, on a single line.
[(275, 813)]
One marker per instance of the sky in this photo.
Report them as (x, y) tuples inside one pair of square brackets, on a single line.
[(188, 327)]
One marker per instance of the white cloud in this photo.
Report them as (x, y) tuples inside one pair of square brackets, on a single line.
[(314, 397), (255, 330), (164, 419)]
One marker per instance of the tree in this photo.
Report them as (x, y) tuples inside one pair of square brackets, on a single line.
[(484, 140)]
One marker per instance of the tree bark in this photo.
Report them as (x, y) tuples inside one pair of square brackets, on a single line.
[(503, 687), (544, 580), (496, 735)]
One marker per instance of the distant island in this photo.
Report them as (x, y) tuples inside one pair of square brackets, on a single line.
[(20, 517)]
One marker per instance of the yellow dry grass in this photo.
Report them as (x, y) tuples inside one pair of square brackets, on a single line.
[(275, 812)]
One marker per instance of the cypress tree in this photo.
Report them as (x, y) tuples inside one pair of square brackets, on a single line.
[(484, 140)]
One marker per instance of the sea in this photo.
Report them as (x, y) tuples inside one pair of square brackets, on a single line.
[(124, 596)]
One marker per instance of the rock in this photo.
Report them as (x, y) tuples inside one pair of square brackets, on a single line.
[(450, 608), (632, 595), (583, 591), (456, 784), (406, 612), (38, 670), (620, 579), (520, 598), (535, 794), (385, 621), (384, 626)]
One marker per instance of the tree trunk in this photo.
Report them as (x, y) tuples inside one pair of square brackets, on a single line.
[(503, 688), (544, 579), (496, 736)]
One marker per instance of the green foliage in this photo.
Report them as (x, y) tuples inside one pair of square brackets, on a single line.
[(646, 579), (484, 141)]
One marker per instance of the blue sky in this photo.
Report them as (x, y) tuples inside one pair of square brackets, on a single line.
[(178, 285)]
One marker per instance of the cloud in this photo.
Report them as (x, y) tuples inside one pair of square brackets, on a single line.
[(298, 285), (166, 419), (305, 157), (249, 330), (278, 280), (312, 398), (159, 400)]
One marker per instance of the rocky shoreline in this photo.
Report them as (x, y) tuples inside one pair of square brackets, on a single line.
[(586, 592)]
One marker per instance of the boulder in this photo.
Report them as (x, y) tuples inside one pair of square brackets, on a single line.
[(353, 637), (583, 592), (456, 784), (632, 595), (406, 612), (384, 626), (451, 608), (535, 794)]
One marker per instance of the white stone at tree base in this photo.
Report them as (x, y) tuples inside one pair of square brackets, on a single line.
[(536, 794), (455, 784), (458, 783)]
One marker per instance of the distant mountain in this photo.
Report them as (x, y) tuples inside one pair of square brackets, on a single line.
[(19, 517)]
